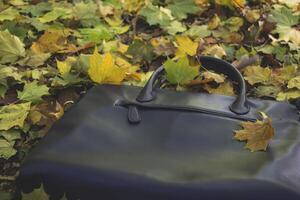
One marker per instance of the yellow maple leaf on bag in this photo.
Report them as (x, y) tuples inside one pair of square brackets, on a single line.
[(185, 46), (104, 70), (257, 134)]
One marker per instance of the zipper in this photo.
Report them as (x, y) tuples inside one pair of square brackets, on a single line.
[(135, 118)]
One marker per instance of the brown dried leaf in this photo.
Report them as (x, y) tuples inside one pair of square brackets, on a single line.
[(257, 134), (53, 41)]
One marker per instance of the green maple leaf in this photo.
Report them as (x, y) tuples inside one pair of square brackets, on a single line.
[(180, 72), (84, 10), (56, 13), (8, 14), (7, 144), (34, 60), (180, 8), (11, 47), (33, 92), (284, 16), (11, 135), (141, 50), (14, 27), (37, 10), (7, 149), (199, 31), (288, 34), (267, 91), (13, 115), (97, 34), (175, 27), (156, 15), (233, 24)]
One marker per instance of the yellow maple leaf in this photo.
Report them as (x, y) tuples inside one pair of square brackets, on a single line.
[(257, 134), (103, 69), (294, 82), (132, 5), (288, 95), (63, 67), (239, 3), (129, 68), (257, 74), (185, 46), (232, 3)]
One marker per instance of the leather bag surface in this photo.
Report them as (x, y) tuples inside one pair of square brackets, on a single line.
[(132, 143)]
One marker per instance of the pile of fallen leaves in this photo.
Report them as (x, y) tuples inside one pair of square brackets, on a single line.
[(51, 52)]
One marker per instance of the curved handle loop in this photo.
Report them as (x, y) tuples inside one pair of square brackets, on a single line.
[(239, 106)]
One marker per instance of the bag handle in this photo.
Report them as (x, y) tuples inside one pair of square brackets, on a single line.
[(239, 106)]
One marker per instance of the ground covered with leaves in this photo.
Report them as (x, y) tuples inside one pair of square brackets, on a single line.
[(51, 52)]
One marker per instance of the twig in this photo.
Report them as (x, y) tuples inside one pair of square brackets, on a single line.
[(9, 178)]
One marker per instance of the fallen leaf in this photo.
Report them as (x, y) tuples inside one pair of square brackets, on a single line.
[(283, 16), (294, 83), (211, 76), (185, 46), (214, 22), (180, 72), (180, 8), (175, 27), (34, 60), (201, 31), (284, 74), (11, 135), (288, 95), (252, 15), (13, 115), (232, 3), (53, 41), (96, 34), (267, 91), (223, 89), (63, 67), (45, 114), (163, 46), (140, 51), (288, 34), (214, 50), (54, 14), (257, 134), (11, 47), (8, 14), (103, 69), (257, 74), (33, 92), (132, 5), (156, 15), (7, 149)]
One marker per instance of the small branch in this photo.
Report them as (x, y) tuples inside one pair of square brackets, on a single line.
[(9, 178), (244, 62)]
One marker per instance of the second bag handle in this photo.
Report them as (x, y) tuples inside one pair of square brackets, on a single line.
[(239, 106)]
